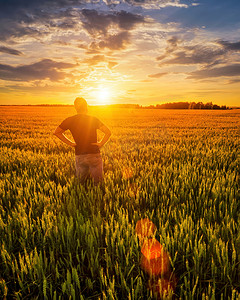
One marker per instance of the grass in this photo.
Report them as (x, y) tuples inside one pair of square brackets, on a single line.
[(61, 240)]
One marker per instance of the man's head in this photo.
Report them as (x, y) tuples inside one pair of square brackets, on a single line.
[(80, 105)]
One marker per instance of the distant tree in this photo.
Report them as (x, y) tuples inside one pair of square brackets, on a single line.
[(184, 105), (208, 105), (174, 105), (198, 105), (192, 105)]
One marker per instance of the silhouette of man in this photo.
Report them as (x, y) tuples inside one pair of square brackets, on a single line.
[(83, 127)]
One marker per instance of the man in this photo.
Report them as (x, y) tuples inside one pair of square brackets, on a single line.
[(84, 131)]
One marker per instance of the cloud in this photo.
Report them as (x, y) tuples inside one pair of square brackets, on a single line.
[(127, 20), (111, 29), (230, 46), (44, 69), (158, 75), (233, 81), (94, 60), (195, 55), (213, 58), (177, 54), (94, 22), (41, 87), (112, 3), (10, 51), (151, 4), (114, 42), (99, 22), (44, 20), (112, 64), (12, 30), (172, 44), (225, 71), (35, 18)]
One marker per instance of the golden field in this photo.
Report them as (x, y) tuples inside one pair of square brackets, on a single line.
[(61, 240)]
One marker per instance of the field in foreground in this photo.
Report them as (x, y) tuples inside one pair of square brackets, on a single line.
[(60, 240)]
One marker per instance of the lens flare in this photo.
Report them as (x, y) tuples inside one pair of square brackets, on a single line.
[(145, 228), (155, 260)]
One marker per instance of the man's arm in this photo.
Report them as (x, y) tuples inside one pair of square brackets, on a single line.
[(107, 134), (59, 133)]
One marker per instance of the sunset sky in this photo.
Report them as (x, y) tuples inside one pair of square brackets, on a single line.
[(119, 51)]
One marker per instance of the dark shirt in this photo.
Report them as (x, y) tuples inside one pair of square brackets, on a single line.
[(84, 131)]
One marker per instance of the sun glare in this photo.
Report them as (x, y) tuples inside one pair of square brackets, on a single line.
[(103, 95)]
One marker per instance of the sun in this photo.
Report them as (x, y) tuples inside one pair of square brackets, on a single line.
[(103, 95)]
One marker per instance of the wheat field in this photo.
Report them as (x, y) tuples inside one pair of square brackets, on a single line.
[(63, 240)]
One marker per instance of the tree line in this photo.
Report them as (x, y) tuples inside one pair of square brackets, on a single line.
[(170, 105), (186, 105)]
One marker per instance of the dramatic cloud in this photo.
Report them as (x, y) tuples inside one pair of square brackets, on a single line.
[(54, 3), (38, 37), (45, 69), (148, 3), (112, 30), (206, 57), (226, 71), (12, 30), (113, 42), (172, 45), (176, 54), (33, 23), (195, 55), (96, 59), (36, 18), (112, 64), (127, 20), (233, 81), (98, 23), (158, 75), (10, 51), (230, 46)]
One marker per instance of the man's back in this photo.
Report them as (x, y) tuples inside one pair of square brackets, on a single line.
[(84, 131)]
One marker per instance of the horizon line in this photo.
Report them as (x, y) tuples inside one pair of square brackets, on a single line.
[(120, 104)]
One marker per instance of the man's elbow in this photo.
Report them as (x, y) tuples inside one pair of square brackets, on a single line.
[(57, 134), (109, 133), (57, 131)]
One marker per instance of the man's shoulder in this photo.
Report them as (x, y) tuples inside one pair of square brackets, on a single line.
[(82, 118), (72, 118), (67, 122), (91, 118)]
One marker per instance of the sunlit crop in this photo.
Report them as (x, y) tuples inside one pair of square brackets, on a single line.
[(62, 240)]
